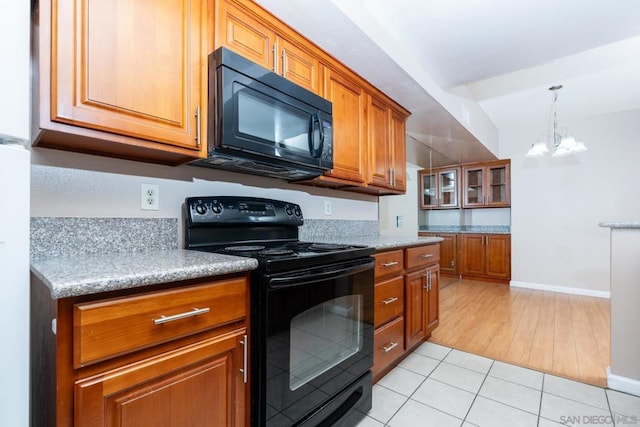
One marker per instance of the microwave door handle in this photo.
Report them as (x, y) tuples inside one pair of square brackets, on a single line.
[(315, 151)]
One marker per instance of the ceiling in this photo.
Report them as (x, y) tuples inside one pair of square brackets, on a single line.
[(467, 68)]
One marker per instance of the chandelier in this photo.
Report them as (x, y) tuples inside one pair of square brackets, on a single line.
[(561, 143)]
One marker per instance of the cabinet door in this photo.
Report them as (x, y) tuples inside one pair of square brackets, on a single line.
[(378, 143), (473, 193), (473, 254), (498, 185), (131, 67), (298, 65), (432, 305), (399, 152), (197, 385), (498, 257), (428, 190), (415, 308), (241, 32), (349, 104), (449, 253), (448, 188)]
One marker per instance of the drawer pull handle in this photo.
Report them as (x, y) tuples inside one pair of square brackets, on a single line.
[(426, 255), (390, 347), (166, 319), (390, 264), (389, 300)]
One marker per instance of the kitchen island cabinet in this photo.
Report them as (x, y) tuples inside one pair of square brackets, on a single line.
[(107, 82), (170, 354)]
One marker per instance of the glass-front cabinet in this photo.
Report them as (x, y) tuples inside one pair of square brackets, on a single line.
[(486, 184), (439, 188)]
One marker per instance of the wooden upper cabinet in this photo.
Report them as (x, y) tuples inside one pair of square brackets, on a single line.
[(249, 31), (439, 188), (379, 143), (236, 29), (486, 184), (131, 73), (387, 147), (297, 65), (399, 149), (349, 146)]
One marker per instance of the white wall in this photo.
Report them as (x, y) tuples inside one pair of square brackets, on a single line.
[(14, 214), (78, 185), (405, 206), (557, 203)]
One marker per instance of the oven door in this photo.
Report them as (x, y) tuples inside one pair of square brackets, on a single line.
[(318, 342)]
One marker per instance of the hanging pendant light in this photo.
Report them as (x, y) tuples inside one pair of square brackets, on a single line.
[(561, 143)]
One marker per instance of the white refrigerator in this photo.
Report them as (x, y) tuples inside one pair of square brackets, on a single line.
[(14, 212), (14, 283)]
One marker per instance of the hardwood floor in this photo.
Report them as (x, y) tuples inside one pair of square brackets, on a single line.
[(562, 334)]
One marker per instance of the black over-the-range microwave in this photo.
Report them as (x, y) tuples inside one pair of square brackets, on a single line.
[(263, 124)]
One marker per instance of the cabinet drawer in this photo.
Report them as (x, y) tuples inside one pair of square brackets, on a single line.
[(422, 255), (116, 326), (389, 300), (389, 263), (388, 344)]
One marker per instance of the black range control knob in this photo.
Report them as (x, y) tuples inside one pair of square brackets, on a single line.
[(297, 211), (216, 208), (200, 208), (288, 210)]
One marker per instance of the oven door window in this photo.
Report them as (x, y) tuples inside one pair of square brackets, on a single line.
[(324, 336)]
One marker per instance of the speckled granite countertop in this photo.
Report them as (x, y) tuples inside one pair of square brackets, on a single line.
[(485, 229), (380, 242), (88, 274), (69, 276), (620, 224)]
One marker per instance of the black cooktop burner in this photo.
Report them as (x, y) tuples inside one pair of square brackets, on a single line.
[(245, 248), (276, 252), (321, 247)]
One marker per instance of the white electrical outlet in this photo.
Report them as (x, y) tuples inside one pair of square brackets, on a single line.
[(327, 207), (149, 197)]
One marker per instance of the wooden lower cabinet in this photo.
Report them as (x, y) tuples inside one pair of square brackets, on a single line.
[(406, 303), (486, 256), (388, 345), (198, 386), (187, 370), (448, 252), (421, 289)]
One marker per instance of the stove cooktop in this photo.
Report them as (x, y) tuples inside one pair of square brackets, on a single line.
[(264, 229), (292, 255)]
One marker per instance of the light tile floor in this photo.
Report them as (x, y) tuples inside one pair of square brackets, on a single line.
[(439, 386)]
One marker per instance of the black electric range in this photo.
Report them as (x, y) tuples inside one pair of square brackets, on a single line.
[(311, 339)]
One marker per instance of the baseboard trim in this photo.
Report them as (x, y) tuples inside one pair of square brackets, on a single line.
[(561, 289), (623, 384)]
